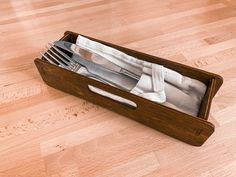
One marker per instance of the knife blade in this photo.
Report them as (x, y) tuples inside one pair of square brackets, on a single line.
[(91, 56), (115, 78)]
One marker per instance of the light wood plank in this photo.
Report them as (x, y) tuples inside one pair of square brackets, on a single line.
[(47, 133)]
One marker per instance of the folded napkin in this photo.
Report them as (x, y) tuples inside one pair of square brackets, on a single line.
[(157, 83)]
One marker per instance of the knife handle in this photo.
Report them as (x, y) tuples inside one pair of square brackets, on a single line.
[(130, 74), (119, 80)]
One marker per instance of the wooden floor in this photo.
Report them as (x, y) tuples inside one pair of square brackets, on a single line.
[(47, 133)]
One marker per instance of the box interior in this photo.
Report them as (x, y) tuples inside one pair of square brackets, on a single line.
[(187, 71)]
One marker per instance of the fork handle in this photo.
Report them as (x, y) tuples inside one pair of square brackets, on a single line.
[(119, 80)]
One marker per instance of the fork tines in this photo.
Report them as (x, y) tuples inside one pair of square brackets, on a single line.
[(55, 56)]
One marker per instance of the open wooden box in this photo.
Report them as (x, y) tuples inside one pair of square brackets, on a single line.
[(187, 128)]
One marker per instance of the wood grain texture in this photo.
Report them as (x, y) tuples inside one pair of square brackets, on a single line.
[(44, 132)]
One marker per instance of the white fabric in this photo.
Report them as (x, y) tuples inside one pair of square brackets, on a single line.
[(157, 83)]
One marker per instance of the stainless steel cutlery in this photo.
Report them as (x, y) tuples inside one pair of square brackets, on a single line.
[(91, 56), (57, 56)]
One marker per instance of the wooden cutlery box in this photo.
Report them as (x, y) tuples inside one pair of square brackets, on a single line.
[(187, 128)]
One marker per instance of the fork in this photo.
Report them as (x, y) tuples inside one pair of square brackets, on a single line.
[(52, 56), (59, 58)]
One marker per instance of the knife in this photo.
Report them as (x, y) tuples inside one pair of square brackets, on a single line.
[(91, 56), (115, 78)]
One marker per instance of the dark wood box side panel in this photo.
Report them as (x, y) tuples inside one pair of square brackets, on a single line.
[(195, 73), (184, 127), (207, 100)]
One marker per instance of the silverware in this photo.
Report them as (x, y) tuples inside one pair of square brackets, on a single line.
[(91, 56), (56, 56), (53, 57)]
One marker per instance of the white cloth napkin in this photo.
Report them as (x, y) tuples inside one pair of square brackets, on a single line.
[(157, 83)]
